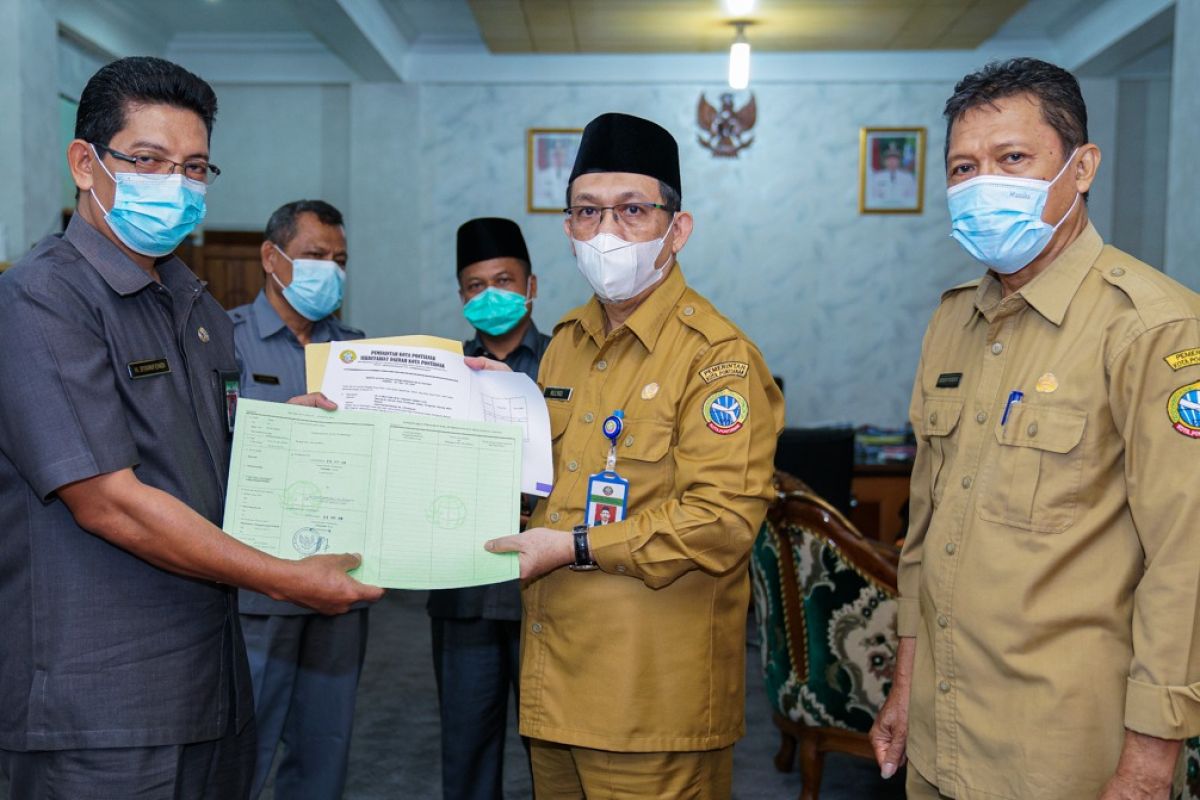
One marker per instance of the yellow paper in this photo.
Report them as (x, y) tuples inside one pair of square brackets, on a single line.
[(316, 356)]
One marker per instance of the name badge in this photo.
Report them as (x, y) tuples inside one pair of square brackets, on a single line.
[(147, 368), (608, 497), (949, 380), (557, 393), (269, 380)]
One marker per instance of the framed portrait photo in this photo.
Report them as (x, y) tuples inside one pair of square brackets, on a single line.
[(891, 171), (551, 154)]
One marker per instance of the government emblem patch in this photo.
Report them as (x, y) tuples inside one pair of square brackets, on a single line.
[(1184, 410), (725, 412)]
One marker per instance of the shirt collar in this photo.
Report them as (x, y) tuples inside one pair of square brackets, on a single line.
[(647, 320), (117, 269), (529, 341), (266, 319), (1051, 292)]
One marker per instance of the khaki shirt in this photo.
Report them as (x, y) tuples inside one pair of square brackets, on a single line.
[(648, 653), (1052, 566)]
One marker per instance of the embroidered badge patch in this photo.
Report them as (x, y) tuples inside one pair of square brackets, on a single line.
[(1184, 410), (725, 412), (1184, 358), (726, 369)]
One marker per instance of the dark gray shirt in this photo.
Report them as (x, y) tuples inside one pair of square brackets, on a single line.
[(501, 601), (104, 369), (271, 360)]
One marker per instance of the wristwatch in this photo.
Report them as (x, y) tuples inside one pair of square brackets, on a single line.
[(583, 553)]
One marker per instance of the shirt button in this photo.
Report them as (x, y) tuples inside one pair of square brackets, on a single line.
[(1031, 430), (981, 417), (933, 418), (588, 417), (602, 365), (688, 311), (950, 548), (555, 516), (1117, 272), (537, 627), (942, 621), (943, 687), (997, 348), (966, 482), (629, 440), (574, 465)]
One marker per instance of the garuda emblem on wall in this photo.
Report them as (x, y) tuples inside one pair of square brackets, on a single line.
[(725, 132)]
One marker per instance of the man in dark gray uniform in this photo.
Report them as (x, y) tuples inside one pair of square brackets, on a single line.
[(477, 630), (304, 666), (123, 673)]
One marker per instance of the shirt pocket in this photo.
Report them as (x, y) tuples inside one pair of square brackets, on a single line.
[(941, 420), (642, 459), (1032, 481), (560, 417)]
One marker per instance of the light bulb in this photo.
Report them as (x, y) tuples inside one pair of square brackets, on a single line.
[(739, 64)]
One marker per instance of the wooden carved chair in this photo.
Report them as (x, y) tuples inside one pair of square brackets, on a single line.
[(825, 601)]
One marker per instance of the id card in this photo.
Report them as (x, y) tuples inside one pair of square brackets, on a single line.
[(608, 497)]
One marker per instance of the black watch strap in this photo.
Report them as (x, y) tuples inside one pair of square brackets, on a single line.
[(583, 553)]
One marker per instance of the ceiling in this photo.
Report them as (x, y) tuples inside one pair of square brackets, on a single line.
[(675, 26)]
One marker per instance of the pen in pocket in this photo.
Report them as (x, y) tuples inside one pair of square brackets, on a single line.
[(1014, 397)]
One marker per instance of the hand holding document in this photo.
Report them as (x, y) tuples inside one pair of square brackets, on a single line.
[(433, 382), (403, 491)]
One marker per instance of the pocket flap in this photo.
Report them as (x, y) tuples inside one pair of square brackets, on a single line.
[(560, 415), (1055, 430), (644, 440), (941, 416)]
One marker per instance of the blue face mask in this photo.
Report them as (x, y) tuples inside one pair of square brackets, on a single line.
[(152, 214), (495, 311), (998, 218), (316, 288)]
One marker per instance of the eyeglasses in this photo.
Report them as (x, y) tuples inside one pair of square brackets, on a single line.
[(630, 216), (196, 169)]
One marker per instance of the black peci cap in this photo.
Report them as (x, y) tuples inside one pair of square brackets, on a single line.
[(489, 237), (623, 143)]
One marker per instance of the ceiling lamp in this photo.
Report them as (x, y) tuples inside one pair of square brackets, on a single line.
[(739, 59)]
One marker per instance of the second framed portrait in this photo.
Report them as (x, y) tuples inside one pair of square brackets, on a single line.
[(551, 155), (891, 171)]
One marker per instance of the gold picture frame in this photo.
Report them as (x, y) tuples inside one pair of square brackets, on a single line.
[(891, 170), (549, 157)]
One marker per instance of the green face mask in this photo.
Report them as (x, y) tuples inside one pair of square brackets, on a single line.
[(495, 311)]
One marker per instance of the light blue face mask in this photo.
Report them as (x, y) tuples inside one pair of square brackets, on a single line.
[(998, 218), (152, 214), (496, 311), (316, 288)]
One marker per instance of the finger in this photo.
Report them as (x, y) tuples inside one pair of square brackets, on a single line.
[(504, 544), (314, 400), (894, 758), (347, 561), (482, 363)]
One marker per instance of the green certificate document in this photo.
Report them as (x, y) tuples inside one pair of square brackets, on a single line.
[(416, 496)]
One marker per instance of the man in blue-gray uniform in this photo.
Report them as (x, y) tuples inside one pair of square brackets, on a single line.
[(123, 672), (304, 666), (477, 631)]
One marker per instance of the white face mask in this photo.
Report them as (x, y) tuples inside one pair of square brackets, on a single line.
[(616, 269)]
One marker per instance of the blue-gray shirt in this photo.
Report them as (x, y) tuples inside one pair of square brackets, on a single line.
[(500, 601), (104, 369), (271, 361)]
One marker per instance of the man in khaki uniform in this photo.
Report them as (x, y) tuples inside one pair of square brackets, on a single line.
[(632, 674), (1049, 582)]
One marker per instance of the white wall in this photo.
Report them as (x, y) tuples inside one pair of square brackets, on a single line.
[(836, 300), (1140, 164)]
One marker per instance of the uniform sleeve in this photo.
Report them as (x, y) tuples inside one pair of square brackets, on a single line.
[(61, 419), (1150, 402), (920, 510), (723, 480)]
